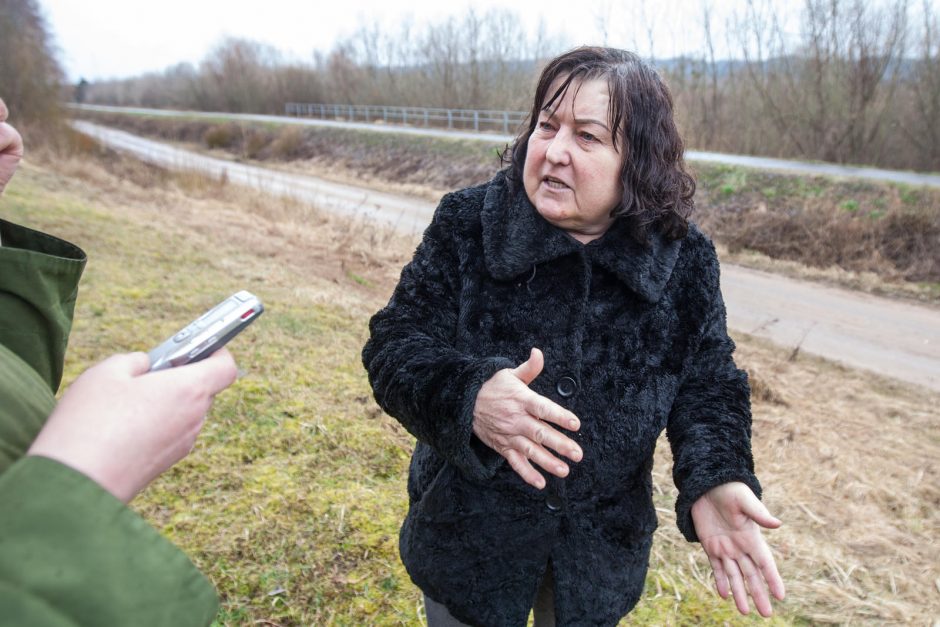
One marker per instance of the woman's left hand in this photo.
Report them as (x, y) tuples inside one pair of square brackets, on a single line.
[(727, 520)]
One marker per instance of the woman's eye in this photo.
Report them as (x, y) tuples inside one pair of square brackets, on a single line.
[(588, 137), (545, 126)]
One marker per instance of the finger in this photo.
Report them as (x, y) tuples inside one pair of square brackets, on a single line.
[(537, 454), (721, 578), (138, 363), (528, 370), (218, 371), (753, 507), (130, 364), (209, 376), (11, 143), (541, 433), (4, 112), (755, 585), (523, 468), (737, 585), (765, 562), (549, 411)]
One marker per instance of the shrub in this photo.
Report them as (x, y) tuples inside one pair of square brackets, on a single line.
[(221, 136), (288, 144), (254, 142)]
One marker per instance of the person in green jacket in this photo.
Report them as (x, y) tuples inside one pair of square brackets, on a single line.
[(71, 551)]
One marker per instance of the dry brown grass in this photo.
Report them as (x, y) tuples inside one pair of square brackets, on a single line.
[(333, 250), (890, 230), (848, 460)]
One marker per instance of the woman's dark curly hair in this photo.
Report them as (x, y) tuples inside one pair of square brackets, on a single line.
[(657, 190)]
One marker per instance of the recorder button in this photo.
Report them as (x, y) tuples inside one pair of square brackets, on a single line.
[(182, 335)]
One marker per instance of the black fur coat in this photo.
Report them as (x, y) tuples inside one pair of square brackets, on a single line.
[(634, 342)]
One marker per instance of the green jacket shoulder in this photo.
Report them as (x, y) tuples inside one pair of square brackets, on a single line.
[(70, 553)]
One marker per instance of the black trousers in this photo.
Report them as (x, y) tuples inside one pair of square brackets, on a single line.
[(544, 607)]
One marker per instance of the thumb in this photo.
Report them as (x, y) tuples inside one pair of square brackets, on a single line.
[(131, 364), (758, 512), (531, 368), (214, 373)]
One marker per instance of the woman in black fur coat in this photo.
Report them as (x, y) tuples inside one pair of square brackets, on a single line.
[(552, 323)]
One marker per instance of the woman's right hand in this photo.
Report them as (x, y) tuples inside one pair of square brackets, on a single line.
[(513, 420)]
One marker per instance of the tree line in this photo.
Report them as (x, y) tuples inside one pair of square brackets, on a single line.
[(478, 60), (858, 82)]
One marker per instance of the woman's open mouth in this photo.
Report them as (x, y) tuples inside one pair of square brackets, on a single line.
[(554, 183)]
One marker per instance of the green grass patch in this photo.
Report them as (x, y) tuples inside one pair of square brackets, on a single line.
[(910, 195), (358, 279), (292, 499)]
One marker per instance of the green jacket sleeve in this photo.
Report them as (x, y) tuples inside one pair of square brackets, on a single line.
[(72, 554)]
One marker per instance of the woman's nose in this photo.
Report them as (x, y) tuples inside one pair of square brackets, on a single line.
[(559, 150)]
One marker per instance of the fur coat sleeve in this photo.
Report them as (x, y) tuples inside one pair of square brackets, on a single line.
[(709, 427), (416, 373)]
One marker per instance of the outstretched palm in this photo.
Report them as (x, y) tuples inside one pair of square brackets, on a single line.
[(727, 520)]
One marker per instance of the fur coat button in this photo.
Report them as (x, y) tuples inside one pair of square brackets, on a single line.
[(553, 502), (566, 387)]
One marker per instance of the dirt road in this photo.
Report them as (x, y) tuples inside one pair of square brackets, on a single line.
[(892, 338)]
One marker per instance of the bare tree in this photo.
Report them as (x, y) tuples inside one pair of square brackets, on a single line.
[(239, 73), (344, 74), (922, 124), (829, 97), (442, 51), (602, 20), (30, 76), (710, 103)]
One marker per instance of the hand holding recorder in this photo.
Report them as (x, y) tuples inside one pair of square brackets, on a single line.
[(122, 426), (122, 423)]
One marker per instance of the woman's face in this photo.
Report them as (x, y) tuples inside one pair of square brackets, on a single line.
[(572, 171)]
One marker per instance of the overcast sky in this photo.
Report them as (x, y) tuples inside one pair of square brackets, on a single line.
[(115, 38)]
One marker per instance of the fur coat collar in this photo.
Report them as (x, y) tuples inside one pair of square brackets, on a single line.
[(516, 238)]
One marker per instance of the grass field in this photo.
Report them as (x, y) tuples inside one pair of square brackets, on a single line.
[(291, 500)]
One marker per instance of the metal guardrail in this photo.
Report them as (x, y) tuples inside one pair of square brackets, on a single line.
[(476, 119)]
